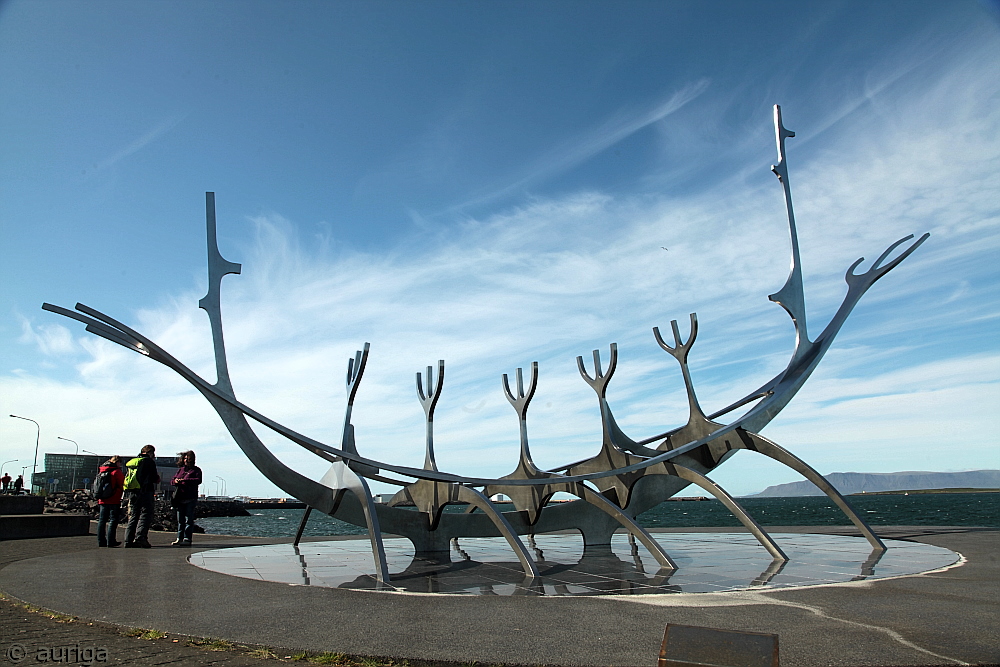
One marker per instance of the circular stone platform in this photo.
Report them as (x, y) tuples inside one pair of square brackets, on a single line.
[(707, 563)]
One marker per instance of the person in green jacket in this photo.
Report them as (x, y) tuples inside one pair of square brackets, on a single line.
[(140, 487)]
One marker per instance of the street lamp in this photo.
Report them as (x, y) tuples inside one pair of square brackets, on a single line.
[(76, 458), (93, 454), (38, 435), (223, 485)]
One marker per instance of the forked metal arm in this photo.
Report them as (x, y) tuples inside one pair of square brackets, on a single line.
[(429, 401), (680, 351), (520, 403)]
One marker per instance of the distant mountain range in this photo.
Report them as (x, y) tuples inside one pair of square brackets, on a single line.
[(869, 482)]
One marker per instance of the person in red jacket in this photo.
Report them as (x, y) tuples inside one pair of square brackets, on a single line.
[(110, 507)]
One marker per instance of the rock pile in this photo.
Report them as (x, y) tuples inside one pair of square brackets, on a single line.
[(70, 502), (164, 516)]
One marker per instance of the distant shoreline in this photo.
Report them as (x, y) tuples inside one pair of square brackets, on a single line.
[(912, 481), (902, 492)]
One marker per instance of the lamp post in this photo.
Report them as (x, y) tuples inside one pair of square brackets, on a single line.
[(95, 455), (223, 485), (38, 435), (76, 459)]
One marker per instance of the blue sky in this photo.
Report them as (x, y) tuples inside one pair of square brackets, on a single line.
[(494, 184)]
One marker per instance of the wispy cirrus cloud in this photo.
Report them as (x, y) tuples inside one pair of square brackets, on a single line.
[(582, 147), (140, 142)]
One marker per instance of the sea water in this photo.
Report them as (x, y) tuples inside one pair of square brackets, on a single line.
[(923, 509)]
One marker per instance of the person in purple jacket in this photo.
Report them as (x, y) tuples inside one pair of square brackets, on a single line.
[(186, 480)]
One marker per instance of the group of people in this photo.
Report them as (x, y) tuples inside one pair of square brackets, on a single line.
[(16, 487), (135, 486)]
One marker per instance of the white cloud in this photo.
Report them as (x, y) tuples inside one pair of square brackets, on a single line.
[(51, 339)]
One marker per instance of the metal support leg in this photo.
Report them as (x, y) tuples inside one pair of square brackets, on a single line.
[(594, 498), (477, 499), (734, 507), (339, 476), (780, 454), (302, 526)]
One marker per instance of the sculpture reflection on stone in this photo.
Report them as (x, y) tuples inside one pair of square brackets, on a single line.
[(625, 478)]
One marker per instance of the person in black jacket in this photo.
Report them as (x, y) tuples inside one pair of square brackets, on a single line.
[(139, 492)]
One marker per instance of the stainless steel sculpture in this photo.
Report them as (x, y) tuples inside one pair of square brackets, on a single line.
[(630, 477)]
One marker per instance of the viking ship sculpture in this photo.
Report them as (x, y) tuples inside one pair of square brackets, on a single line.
[(623, 479)]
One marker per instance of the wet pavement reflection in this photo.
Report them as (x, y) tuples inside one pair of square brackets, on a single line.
[(707, 562)]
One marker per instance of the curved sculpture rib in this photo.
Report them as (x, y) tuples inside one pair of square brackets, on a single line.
[(748, 521), (341, 479), (473, 497), (762, 445), (138, 343), (638, 532)]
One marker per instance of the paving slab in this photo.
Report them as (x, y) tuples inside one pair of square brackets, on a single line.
[(945, 617)]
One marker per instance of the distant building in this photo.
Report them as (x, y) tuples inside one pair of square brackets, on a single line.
[(65, 472)]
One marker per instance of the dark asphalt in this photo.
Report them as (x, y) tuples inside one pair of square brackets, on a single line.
[(948, 617)]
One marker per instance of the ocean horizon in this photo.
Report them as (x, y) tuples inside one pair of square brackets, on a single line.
[(945, 509)]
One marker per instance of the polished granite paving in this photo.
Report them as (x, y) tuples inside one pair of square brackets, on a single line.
[(707, 562)]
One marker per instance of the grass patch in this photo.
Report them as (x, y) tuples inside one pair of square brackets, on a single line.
[(144, 633), (210, 644), (262, 652), (55, 616), (327, 658), (62, 618)]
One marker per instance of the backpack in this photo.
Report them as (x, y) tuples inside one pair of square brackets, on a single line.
[(131, 482), (104, 485)]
